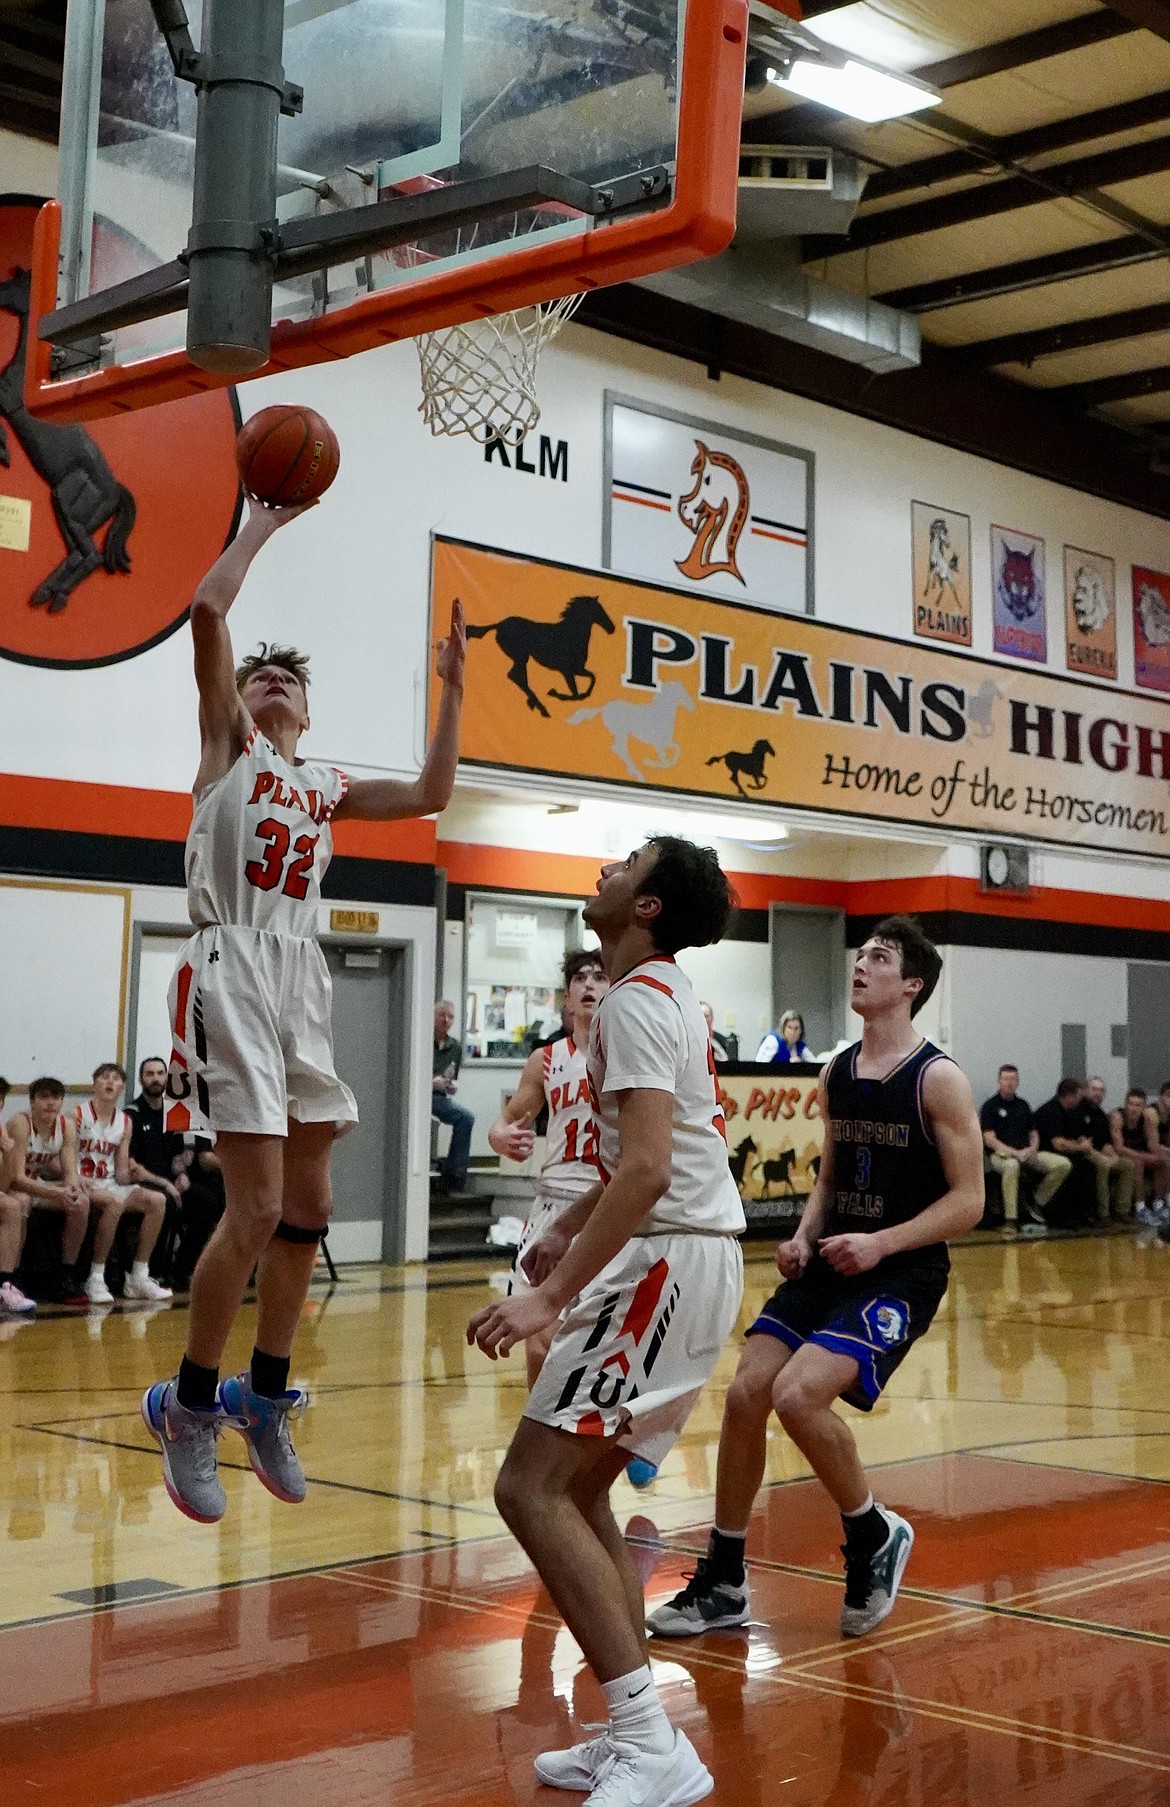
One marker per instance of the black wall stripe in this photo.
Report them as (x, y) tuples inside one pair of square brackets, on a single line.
[(132, 860), (961, 928)]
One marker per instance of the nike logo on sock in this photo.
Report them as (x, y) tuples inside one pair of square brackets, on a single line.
[(638, 1691)]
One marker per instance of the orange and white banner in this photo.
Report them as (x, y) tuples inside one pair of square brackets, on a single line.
[(579, 673), (775, 1133)]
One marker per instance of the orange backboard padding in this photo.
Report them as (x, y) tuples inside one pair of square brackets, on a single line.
[(699, 222)]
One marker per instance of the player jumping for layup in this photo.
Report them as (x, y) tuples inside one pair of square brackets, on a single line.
[(902, 1173), (253, 1049), (646, 1295)]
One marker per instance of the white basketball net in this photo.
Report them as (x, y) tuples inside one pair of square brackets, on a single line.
[(480, 378)]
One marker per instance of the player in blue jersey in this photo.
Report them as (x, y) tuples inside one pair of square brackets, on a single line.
[(864, 1274)]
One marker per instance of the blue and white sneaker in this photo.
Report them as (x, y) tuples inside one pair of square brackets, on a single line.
[(187, 1440), (264, 1426), (639, 1473), (872, 1582)]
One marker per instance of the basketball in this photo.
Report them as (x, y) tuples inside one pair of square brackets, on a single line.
[(287, 455)]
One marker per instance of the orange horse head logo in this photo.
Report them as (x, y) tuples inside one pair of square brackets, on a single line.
[(715, 510)]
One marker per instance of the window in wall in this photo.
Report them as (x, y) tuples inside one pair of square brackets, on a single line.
[(514, 950)]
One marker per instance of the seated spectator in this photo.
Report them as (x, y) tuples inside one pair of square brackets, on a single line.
[(103, 1161), (1163, 1109), (1114, 1176), (13, 1212), (43, 1170), (786, 1044), (156, 1154), (1135, 1138), (203, 1206), (1012, 1141), (721, 1045), (448, 1056), (1064, 1128)]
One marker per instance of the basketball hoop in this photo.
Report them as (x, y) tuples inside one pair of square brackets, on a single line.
[(480, 378)]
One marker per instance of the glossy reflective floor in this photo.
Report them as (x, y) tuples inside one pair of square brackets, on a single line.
[(386, 1642)]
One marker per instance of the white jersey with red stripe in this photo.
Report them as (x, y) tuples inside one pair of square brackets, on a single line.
[(570, 1161), (43, 1152), (649, 1034), (98, 1143), (260, 842)]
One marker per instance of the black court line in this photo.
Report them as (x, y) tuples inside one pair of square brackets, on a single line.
[(381, 1493)]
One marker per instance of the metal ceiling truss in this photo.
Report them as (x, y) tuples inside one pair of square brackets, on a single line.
[(1075, 335)]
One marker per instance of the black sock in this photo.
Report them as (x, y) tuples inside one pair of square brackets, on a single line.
[(725, 1554), (269, 1374), (196, 1388), (866, 1534)]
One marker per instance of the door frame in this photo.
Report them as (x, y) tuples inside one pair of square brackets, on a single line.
[(837, 993)]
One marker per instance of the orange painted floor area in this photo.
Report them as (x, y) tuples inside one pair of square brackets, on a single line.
[(387, 1645)]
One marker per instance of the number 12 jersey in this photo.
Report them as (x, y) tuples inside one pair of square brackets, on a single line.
[(260, 842)]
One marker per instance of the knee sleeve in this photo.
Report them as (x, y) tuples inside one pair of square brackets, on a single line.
[(295, 1232)]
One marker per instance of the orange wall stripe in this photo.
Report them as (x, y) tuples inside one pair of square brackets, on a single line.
[(114, 809)]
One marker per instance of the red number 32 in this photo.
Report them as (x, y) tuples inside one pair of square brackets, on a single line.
[(265, 873)]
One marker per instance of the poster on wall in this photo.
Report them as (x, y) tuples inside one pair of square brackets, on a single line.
[(580, 674), (707, 508), (775, 1134), (1151, 628), (1090, 613), (92, 569), (1019, 596), (941, 540)]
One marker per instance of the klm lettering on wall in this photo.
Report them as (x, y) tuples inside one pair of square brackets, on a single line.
[(581, 673)]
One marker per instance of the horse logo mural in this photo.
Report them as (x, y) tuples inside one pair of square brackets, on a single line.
[(715, 510), (85, 494), (561, 645), (650, 724)]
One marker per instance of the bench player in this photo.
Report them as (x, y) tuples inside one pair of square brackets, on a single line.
[(103, 1164), (646, 1278), (253, 1048), (864, 1274), (556, 1076), (43, 1167)]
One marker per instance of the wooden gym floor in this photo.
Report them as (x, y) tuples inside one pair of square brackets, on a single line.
[(386, 1642)]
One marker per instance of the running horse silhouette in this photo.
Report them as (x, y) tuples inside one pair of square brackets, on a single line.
[(652, 723), (746, 765), (557, 645), (84, 491)]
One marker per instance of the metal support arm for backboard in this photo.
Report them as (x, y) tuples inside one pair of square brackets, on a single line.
[(239, 73), (310, 244)]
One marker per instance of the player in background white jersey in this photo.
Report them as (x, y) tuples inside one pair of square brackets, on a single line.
[(645, 1275), (13, 1218), (103, 1165), (253, 1050), (555, 1076), (43, 1168)]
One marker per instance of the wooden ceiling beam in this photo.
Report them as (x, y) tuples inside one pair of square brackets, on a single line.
[(1149, 15), (1106, 389), (1025, 273), (1073, 335)]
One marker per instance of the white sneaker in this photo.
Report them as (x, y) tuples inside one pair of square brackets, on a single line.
[(96, 1290), (13, 1301), (871, 1583), (144, 1287), (580, 1766), (643, 1779)]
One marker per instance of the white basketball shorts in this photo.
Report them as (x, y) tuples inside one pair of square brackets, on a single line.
[(106, 1189), (252, 1042), (635, 1349), (547, 1206)]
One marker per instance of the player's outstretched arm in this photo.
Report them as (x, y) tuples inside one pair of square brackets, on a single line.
[(391, 800), (222, 717), (511, 1134)]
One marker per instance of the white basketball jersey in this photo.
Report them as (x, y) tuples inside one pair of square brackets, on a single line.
[(260, 842), (98, 1143), (570, 1161), (650, 1035), (43, 1152)]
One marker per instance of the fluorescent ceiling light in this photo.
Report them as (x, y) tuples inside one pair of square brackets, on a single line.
[(857, 88)]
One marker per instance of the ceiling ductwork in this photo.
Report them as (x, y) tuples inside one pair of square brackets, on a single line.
[(785, 193)]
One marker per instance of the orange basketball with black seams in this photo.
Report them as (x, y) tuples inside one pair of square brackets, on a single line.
[(287, 455)]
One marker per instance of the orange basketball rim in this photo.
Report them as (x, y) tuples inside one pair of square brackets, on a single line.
[(698, 222)]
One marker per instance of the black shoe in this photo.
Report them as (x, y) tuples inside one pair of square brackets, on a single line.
[(705, 1604)]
